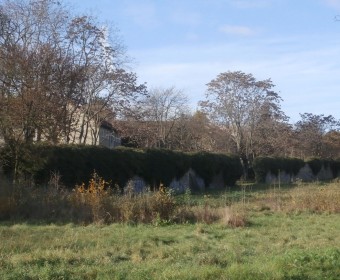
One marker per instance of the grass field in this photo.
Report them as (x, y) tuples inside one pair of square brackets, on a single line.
[(290, 233)]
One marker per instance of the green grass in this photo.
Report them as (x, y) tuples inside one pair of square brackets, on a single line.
[(291, 234), (274, 246)]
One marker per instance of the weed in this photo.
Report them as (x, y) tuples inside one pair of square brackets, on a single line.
[(235, 217)]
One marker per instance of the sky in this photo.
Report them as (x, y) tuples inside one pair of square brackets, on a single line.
[(187, 43)]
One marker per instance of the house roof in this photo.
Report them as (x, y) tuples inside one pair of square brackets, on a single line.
[(107, 125)]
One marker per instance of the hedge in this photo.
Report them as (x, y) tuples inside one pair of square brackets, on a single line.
[(262, 165), (207, 165), (76, 163)]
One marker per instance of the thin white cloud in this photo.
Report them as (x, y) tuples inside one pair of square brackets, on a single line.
[(192, 37), (143, 13), (333, 3), (307, 80), (237, 30), (245, 4), (186, 18)]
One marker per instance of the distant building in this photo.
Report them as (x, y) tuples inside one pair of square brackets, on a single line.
[(108, 136), (93, 131)]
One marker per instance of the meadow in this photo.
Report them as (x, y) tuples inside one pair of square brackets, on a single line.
[(254, 232)]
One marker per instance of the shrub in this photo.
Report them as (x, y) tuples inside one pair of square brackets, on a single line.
[(207, 165), (263, 165), (161, 166), (75, 163), (97, 202), (335, 167), (315, 164)]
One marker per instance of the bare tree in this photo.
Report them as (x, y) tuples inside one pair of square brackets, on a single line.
[(331, 143), (310, 133), (27, 58), (163, 108), (61, 75), (195, 132), (237, 101)]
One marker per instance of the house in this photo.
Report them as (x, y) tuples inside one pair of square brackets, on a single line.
[(83, 128), (108, 136)]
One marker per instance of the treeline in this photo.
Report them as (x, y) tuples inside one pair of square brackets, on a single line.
[(241, 116)]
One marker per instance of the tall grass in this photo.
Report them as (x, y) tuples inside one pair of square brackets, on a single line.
[(317, 198), (99, 202)]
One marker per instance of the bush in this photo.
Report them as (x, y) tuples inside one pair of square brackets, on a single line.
[(315, 164), (207, 165), (162, 166), (262, 165), (75, 163), (335, 167)]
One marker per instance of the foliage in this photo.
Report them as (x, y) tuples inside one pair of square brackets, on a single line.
[(335, 167), (24, 161), (79, 70), (75, 163), (207, 165), (262, 165), (162, 166), (238, 102), (315, 164), (311, 133)]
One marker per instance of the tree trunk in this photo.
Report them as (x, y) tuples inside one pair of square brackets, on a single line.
[(245, 165)]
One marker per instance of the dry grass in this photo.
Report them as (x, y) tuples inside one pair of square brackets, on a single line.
[(97, 202), (303, 197), (315, 198), (232, 216), (235, 217)]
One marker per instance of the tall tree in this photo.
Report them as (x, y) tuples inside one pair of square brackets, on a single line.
[(61, 74), (163, 109), (310, 133), (237, 102)]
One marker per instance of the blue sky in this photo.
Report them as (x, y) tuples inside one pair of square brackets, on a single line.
[(187, 43)]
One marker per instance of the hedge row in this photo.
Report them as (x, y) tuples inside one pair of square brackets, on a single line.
[(316, 164), (292, 166), (75, 164)]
